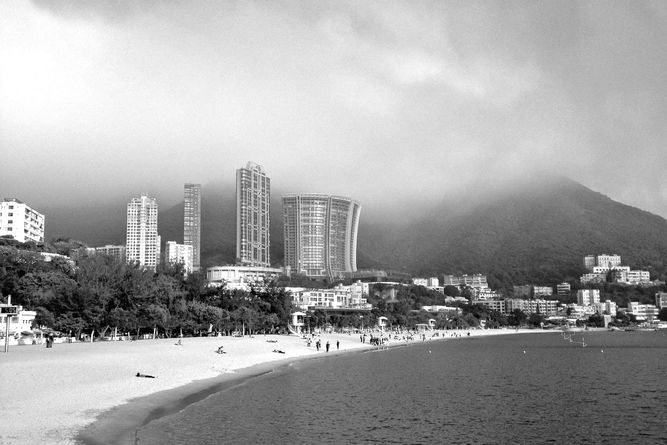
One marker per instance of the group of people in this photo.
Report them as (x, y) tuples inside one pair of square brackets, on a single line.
[(318, 343)]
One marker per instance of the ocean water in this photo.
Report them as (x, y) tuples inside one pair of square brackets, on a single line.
[(514, 389)]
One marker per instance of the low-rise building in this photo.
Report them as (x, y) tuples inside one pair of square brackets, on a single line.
[(494, 305), (606, 307), (241, 276), (563, 289), (19, 320), (340, 298), (113, 250), (548, 308), (643, 312)]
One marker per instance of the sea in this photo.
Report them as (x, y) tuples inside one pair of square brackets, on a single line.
[(599, 388)]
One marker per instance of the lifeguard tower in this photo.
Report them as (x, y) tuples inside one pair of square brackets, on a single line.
[(383, 323), (298, 322)]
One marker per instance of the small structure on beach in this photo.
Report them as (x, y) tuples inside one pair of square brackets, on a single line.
[(298, 322), (431, 323), (383, 322)]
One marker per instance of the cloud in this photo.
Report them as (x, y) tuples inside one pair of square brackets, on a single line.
[(365, 99)]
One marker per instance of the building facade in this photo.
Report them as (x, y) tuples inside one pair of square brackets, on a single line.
[(21, 221), (115, 251), (253, 205), (563, 289), (179, 254), (588, 297), (661, 300), (192, 221), (143, 242), (320, 234), (475, 281)]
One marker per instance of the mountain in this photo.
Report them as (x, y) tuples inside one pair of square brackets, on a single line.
[(528, 234), (522, 234)]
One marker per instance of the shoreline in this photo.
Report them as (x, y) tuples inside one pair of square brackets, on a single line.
[(89, 393)]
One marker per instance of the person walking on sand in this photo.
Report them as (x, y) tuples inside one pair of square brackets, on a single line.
[(327, 345), (337, 345)]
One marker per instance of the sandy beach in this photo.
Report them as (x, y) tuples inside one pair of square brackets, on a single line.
[(50, 395)]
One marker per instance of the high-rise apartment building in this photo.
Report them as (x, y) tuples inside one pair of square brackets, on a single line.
[(21, 221), (192, 221), (179, 254), (253, 203), (320, 234), (143, 242)]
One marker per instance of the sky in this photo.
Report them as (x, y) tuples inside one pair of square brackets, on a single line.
[(381, 101)]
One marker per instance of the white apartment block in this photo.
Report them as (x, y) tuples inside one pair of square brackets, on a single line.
[(180, 254), (143, 242), (588, 297), (638, 277), (420, 282), (476, 280), (563, 288), (609, 261), (21, 221), (340, 297), (241, 276), (494, 305), (643, 312), (548, 308), (606, 307)]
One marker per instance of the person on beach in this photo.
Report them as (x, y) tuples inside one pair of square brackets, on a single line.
[(220, 351), (337, 345), (327, 345), (317, 345)]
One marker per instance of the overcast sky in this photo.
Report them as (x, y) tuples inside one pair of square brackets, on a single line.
[(373, 100)]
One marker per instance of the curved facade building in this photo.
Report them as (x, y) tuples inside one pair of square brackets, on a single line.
[(320, 234)]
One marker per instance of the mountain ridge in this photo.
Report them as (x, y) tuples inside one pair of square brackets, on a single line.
[(525, 233)]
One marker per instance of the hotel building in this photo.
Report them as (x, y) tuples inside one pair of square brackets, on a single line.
[(253, 201), (192, 221), (143, 242), (320, 234), (21, 221)]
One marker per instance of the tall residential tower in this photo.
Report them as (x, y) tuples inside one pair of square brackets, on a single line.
[(320, 234), (253, 201), (143, 242), (192, 221)]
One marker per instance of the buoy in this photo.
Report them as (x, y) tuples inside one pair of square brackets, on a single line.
[(524, 351)]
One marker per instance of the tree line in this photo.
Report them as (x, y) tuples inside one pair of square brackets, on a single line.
[(100, 295)]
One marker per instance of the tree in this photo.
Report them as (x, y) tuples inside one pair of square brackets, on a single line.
[(516, 318), (662, 315)]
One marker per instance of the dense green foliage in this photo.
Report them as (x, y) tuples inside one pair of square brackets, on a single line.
[(101, 294)]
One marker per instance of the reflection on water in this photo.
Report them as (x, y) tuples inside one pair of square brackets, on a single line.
[(468, 391)]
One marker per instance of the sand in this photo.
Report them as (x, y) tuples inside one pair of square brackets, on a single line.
[(51, 395)]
